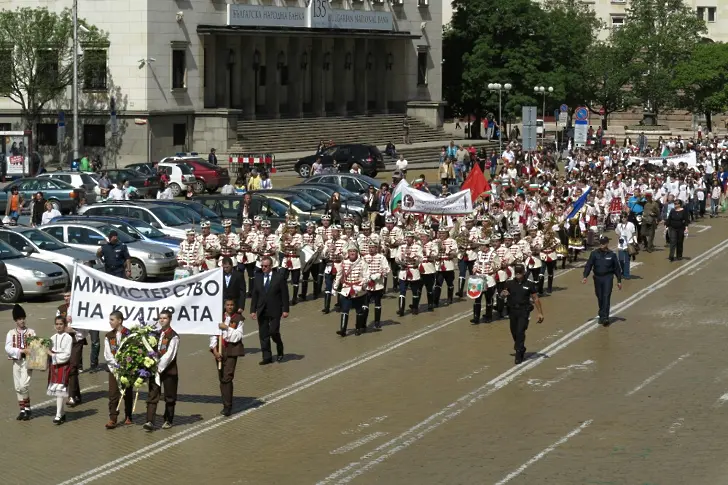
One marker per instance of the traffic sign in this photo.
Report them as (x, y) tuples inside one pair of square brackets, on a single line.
[(529, 115), (601, 111), (529, 141), (580, 131), (564, 108), (564, 118), (581, 113), (61, 118)]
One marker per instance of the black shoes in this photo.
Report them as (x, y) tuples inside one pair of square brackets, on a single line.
[(265, 362), (148, 426), (21, 416), (58, 420), (26, 414), (226, 412), (520, 356), (279, 358)]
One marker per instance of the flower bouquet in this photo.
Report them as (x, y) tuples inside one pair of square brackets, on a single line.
[(136, 358), (38, 358)]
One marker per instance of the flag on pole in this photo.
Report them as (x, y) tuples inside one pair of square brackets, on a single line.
[(579, 203), (397, 194), (476, 182)]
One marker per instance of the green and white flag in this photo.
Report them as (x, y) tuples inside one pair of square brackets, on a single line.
[(397, 194)]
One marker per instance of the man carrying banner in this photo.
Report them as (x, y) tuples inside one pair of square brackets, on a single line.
[(409, 258)]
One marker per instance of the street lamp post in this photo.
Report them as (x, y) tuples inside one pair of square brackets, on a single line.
[(500, 88), (542, 90), (75, 79)]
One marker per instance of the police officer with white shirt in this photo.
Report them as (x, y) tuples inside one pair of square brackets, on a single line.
[(606, 266)]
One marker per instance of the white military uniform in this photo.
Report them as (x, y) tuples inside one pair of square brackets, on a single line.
[(444, 251), (229, 245), (211, 247), (290, 250), (247, 241), (191, 254), (486, 264), (378, 271), (391, 241), (429, 258), (352, 278), (267, 246), (409, 258)]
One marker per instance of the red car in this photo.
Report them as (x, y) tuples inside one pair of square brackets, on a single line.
[(209, 177)]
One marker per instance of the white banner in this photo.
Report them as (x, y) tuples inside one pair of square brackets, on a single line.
[(318, 14), (414, 200), (690, 158), (196, 301)]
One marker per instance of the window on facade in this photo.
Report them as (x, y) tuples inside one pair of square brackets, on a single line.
[(47, 66), (6, 69), (94, 69), (179, 134), (617, 22), (47, 134), (711, 14), (179, 69), (94, 136), (422, 68)]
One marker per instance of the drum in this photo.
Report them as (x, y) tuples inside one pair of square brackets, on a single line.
[(181, 273), (475, 285), (309, 257)]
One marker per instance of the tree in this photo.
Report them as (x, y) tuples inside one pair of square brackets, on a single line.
[(657, 35), (702, 80), (37, 58)]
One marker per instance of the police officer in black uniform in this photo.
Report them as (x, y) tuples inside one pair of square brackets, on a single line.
[(606, 267), (115, 256), (522, 296)]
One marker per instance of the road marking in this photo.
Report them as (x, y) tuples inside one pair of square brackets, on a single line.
[(676, 425), (365, 425), (545, 452), (211, 424), (583, 366), (41, 404), (569, 370), (403, 440), (551, 336), (474, 373), (656, 375), (703, 228), (357, 443)]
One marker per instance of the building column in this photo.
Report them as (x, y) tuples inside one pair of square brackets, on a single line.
[(272, 83), (338, 61), (361, 76), (209, 70), (220, 74), (318, 93), (384, 75), (247, 77), (295, 77)]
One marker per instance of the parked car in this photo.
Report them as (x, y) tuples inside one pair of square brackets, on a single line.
[(4, 282), (168, 220), (62, 195), (144, 168), (147, 259), (308, 203), (36, 244), (273, 208), (146, 185), (180, 176), (209, 177), (195, 211), (357, 184), (136, 228), (350, 200), (79, 180), (368, 157), (28, 277)]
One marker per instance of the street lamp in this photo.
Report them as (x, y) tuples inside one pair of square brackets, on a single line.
[(500, 88), (542, 90)]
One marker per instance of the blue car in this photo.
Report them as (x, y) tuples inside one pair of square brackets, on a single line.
[(136, 228)]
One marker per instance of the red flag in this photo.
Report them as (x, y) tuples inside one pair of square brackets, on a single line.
[(476, 182)]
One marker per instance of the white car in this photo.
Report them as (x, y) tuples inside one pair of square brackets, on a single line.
[(79, 180), (539, 127), (180, 176)]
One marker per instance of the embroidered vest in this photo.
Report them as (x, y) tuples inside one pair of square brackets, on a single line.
[(111, 337)]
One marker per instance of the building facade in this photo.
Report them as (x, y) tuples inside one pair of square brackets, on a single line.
[(182, 73)]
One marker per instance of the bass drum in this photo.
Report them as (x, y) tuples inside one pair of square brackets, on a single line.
[(475, 286)]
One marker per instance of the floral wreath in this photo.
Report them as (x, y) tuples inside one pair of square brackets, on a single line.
[(136, 358)]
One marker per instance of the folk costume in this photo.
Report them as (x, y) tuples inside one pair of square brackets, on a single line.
[(59, 372), (112, 342), (16, 341), (166, 377), (232, 348), (76, 361)]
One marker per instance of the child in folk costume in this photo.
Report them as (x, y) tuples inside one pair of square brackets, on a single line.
[(409, 258), (485, 266), (427, 267), (166, 375), (76, 362), (112, 342), (232, 348), (60, 368), (378, 271), (16, 346), (352, 279)]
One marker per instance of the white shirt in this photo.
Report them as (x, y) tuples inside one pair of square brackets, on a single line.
[(626, 234), (19, 336), (165, 194), (231, 335), (228, 190), (169, 354), (508, 155), (48, 216), (401, 164), (61, 348), (118, 194), (108, 356)]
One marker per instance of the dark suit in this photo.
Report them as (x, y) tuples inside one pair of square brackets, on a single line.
[(269, 306), (235, 290)]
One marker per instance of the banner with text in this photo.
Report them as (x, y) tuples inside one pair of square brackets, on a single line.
[(196, 301), (414, 200), (689, 158)]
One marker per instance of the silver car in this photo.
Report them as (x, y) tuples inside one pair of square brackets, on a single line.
[(147, 259), (36, 244), (168, 220), (29, 277)]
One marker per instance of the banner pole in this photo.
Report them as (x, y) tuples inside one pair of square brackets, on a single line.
[(219, 351)]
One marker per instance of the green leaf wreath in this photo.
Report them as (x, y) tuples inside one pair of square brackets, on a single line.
[(136, 358)]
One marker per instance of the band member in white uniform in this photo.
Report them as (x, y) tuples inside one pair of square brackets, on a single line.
[(485, 266), (409, 258), (378, 271), (191, 255), (531, 248), (333, 255), (316, 243), (392, 238), (267, 245), (351, 282), (229, 242), (291, 244), (466, 245), (246, 254), (210, 245), (427, 268), (447, 253)]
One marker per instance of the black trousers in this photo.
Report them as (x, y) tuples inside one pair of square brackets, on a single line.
[(519, 325), (74, 388), (169, 383), (677, 238), (269, 329), (603, 289)]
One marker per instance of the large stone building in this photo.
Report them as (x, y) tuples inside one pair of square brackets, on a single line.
[(192, 69)]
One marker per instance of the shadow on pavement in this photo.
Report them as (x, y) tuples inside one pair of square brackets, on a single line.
[(291, 357)]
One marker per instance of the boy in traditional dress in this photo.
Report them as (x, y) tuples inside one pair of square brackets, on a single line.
[(232, 348), (76, 362), (16, 346), (166, 375), (60, 368), (113, 339)]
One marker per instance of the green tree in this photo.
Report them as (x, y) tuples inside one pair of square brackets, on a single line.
[(657, 35), (701, 80), (37, 57)]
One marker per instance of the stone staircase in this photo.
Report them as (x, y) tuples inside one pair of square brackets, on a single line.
[(279, 136)]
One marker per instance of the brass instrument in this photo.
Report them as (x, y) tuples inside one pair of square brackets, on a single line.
[(440, 247)]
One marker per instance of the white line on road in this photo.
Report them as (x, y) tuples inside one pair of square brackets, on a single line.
[(404, 440), (656, 375), (474, 373), (357, 443), (569, 370), (211, 424), (545, 452), (365, 425)]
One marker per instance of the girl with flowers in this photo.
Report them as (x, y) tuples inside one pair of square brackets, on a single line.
[(166, 375), (60, 368), (114, 339)]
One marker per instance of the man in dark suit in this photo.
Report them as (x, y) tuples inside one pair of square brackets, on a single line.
[(233, 287), (269, 303)]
